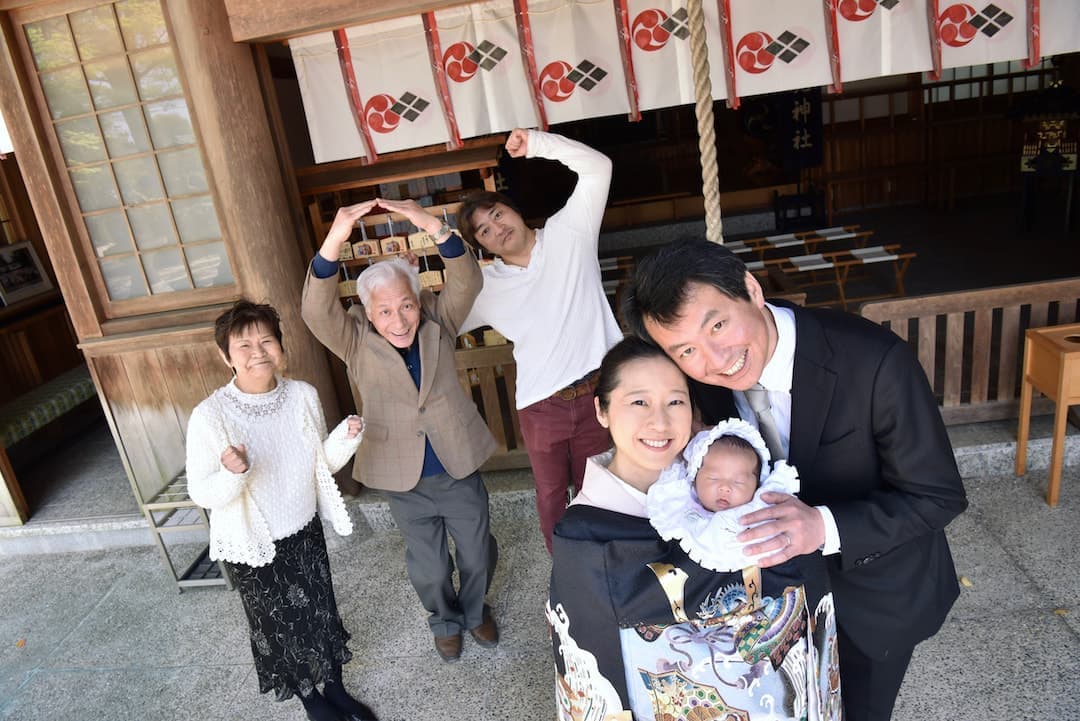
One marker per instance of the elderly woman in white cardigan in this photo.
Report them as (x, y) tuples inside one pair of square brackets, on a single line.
[(258, 456)]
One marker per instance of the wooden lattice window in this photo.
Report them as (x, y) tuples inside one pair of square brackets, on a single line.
[(127, 143)]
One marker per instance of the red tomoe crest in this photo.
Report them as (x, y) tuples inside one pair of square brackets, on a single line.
[(378, 114), (647, 31), (856, 10), (752, 54), (554, 83), (955, 27), (459, 66)]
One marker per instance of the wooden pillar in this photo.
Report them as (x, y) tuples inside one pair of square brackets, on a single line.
[(223, 90)]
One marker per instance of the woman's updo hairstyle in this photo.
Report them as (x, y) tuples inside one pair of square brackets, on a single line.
[(625, 351)]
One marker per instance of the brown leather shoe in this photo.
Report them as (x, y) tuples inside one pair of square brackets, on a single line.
[(449, 647), (487, 633)]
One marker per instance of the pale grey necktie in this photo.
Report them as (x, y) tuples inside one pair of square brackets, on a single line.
[(758, 398)]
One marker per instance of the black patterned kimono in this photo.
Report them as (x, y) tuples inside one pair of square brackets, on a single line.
[(640, 631)]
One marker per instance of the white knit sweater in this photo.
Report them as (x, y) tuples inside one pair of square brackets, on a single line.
[(290, 462)]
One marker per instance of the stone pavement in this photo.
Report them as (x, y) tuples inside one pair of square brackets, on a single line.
[(103, 635)]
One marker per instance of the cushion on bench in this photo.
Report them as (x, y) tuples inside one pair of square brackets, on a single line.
[(44, 404)]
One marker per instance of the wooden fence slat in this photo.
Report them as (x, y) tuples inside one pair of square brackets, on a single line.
[(980, 355), (489, 391), (900, 327), (1066, 311), (1040, 311), (954, 357), (1011, 346), (510, 378), (927, 347)]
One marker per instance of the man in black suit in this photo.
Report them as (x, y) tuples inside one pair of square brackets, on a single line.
[(853, 412)]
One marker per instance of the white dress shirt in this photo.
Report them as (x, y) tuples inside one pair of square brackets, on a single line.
[(776, 379)]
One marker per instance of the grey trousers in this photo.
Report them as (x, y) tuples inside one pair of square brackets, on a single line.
[(439, 505)]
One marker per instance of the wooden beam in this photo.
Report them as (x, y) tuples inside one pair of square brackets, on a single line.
[(348, 174), (267, 20), (138, 342)]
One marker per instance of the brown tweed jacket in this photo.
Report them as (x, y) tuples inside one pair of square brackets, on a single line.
[(397, 417)]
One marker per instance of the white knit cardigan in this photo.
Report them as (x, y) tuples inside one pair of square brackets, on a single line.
[(238, 531)]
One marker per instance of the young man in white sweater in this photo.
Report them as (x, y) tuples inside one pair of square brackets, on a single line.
[(545, 294)]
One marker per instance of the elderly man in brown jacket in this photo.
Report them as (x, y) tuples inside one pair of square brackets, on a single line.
[(424, 438)]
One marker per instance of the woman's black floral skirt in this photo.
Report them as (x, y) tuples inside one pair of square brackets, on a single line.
[(297, 637)]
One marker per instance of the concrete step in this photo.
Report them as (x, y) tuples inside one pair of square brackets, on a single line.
[(982, 450), (989, 449)]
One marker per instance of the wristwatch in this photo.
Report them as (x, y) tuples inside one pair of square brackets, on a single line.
[(443, 232)]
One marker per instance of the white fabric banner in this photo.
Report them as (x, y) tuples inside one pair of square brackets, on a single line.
[(393, 75), (883, 37), (985, 32), (578, 60), (484, 69), (660, 49), (333, 131), (779, 45), (1060, 26)]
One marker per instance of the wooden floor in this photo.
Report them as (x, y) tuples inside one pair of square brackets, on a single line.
[(980, 244)]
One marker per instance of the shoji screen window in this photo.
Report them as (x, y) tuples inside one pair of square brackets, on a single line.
[(128, 145)]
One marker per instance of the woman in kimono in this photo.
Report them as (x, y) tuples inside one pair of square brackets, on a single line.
[(640, 631)]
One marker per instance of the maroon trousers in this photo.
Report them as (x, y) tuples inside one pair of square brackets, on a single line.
[(560, 435)]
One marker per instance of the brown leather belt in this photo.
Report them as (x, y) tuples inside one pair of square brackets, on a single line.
[(581, 387)]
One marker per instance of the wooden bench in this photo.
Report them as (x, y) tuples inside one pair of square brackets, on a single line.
[(800, 271), (805, 241), (33, 411), (970, 343)]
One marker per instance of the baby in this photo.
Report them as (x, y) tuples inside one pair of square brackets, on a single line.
[(730, 473), (699, 500)]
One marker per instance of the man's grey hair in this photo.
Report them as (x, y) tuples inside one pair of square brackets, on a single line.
[(383, 273)]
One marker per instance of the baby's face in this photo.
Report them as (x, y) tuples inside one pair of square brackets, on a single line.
[(726, 478)]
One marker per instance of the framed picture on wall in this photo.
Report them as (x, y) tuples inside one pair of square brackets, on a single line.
[(21, 273)]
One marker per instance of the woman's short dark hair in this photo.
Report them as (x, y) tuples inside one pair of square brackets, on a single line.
[(625, 351), (484, 200), (242, 316), (660, 284), (739, 443)]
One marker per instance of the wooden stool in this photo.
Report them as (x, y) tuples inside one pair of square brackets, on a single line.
[(1052, 366)]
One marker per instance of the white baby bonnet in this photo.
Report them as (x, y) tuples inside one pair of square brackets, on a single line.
[(708, 537)]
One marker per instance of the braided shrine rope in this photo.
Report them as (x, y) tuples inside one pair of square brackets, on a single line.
[(703, 108)]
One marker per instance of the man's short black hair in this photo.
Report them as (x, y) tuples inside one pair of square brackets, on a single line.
[(658, 290)]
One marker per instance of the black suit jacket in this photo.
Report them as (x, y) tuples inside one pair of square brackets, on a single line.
[(869, 443)]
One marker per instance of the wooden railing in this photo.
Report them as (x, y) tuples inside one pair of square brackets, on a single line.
[(971, 343), (489, 376)]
